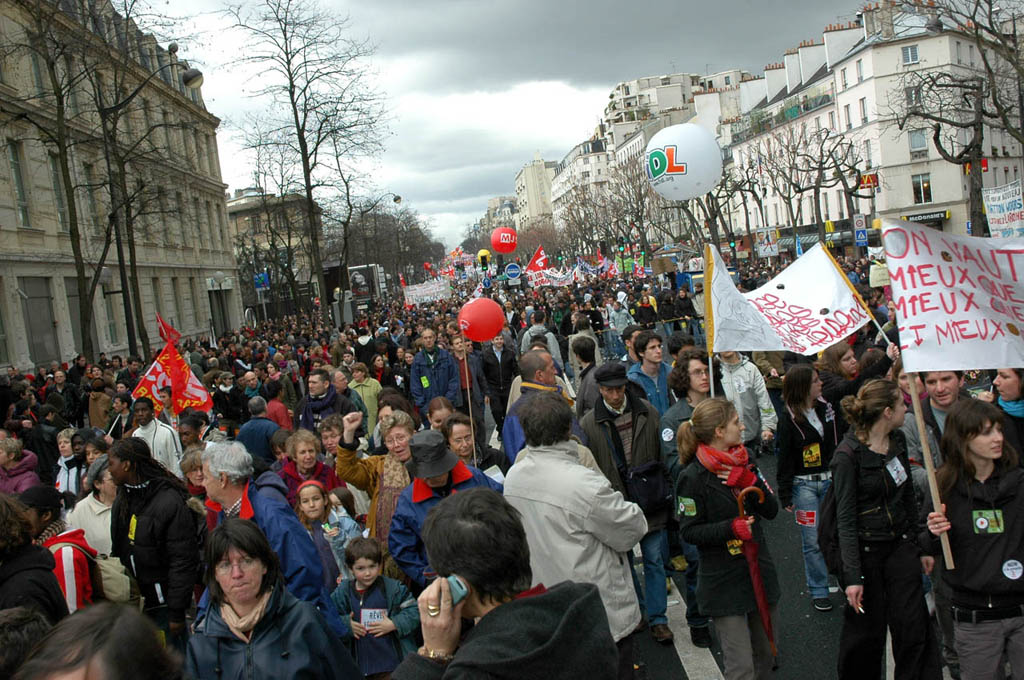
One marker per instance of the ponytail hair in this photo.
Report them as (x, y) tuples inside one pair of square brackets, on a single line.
[(709, 415), (864, 410)]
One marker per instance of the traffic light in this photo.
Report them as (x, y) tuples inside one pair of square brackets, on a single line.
[(622, 244), (484, 261), (732, 243)]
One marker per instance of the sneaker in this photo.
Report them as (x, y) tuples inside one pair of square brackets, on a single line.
[(661, 633), (823, 604), (701, 637)]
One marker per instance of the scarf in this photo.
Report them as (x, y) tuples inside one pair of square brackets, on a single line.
[(57, 526), (251, 392), (548, 388), (311, 412), (225, 388), (1013, 408), (394, 477), (242, 626), (714, 460)]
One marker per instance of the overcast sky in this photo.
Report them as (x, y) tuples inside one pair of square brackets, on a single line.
[(475, 88)]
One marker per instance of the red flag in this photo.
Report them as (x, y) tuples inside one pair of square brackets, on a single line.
[(170, 369), (167, 331), (401, 279), (539, 261)]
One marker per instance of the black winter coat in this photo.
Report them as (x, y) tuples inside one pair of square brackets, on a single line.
[(157, 538), (499, 375), (292, 640), (706, 508), (802, 451), (871, 507), (987, 533), (27, 580), (834, 387), (230, 405)]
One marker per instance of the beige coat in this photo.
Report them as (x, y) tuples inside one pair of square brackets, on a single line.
[(578, 527)]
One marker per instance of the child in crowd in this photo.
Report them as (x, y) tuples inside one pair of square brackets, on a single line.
[(343, 521), (279, 447), (330, 430), (330, 533), (382, 613)]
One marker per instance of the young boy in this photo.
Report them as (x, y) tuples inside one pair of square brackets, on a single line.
[(382, 613)]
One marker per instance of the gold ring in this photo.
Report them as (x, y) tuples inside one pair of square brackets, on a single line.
[(433, 610)]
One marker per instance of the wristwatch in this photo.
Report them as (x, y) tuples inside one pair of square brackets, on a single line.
[(437, 657)]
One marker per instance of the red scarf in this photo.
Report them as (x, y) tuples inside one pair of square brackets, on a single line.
[(714, 460)]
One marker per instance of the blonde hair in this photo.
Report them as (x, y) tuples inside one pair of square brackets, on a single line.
[(66, 434), (709, 415), (13, 448), (864, 410), (301, 437), (396, 419), (192, 458)]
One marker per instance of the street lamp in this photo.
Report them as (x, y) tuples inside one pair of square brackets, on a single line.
[(191, 78)]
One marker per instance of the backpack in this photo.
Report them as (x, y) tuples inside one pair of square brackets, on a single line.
[(107, 576), (828, 523)]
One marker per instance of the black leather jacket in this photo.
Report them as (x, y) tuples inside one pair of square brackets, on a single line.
[(870, 506)]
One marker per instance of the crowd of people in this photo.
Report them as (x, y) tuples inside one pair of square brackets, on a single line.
[(342, 510)]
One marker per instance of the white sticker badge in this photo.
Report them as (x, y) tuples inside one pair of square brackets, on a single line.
[(1012, 569), (896, 469), (667, 434)]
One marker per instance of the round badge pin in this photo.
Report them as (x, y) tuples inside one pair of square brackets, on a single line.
[(667, 434), (1012, 569), (981, 523)]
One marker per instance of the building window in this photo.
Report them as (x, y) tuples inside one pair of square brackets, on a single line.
[(832, 120), (37, 75), (179, 318), (16, 159), (909, 54), (58, 193), (867, 154), (157, 302), (913, 95), (179, 205), (959, 53), (863, 103), (817, 123), (195, 300), (860, 70), (90, 192), (846, 115), (209, 222), (918, 140), (922, 188), (842, 78), (167, 131), (199, 222), (970, 55), (727, 80), (108, 303), (5, 356)]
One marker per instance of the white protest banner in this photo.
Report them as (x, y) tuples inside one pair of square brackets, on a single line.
[(431, 291), (1005, 210), (959, 299), (767, 243), (809, 306)]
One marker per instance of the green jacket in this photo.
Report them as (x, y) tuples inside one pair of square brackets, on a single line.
[(599, 426), (402, 610)]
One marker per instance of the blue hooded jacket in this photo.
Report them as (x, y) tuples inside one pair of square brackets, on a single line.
[(657, 394), (439, 380)]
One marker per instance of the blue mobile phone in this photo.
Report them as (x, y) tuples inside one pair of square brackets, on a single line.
[(458, 588)]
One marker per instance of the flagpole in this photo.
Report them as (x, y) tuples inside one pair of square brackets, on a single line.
[(709, 320)]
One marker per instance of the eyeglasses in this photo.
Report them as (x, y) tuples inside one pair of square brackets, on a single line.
[(396, 439), (245, 564), (462, 440), (699, 372)]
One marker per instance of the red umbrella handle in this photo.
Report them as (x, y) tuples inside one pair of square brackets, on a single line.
[(750, 489)]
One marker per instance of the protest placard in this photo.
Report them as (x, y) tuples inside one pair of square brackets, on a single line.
[(767, 243), (807, 307), (1005, 210), (431, 291), (959, 299)]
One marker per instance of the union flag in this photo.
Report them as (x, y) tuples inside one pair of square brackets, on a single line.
[(170, 369)]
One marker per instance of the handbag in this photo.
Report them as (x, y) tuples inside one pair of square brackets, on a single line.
[(648, 486)]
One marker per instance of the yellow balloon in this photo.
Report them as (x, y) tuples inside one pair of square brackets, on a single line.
[(483, 252)]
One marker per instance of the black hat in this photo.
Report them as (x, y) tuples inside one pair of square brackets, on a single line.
[(610, 374), (431, 456)]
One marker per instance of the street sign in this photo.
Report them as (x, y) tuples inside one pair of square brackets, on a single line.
[(261, 281), (968, 227), (860, 237), (513, 270), (486, 283)]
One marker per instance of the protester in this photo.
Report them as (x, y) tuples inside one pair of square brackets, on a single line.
[(254, 627), (877, 516), (981, 486), (303, 451), (255, 434), (745, 388), (809, 431), (457, 431), (433, 374), (160, 438), (1009, 397), (155, 535), (578, 527), (706, 496), (560, 633), (21, 629), (313, 508), (17, 467), (381, 612), (500, 368), (92, 513), (27, 576)]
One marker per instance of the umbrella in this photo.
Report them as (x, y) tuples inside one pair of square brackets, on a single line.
[(750, 552)]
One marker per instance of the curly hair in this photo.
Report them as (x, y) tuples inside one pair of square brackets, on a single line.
[(15, 529)]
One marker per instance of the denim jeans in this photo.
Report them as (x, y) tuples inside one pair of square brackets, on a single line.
[(613, 346), (694, 618), (653, 597), (697, 331), (808, 496)]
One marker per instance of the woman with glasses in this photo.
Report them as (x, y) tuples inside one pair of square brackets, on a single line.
[(809, 429), (255, 628), (382, 477)]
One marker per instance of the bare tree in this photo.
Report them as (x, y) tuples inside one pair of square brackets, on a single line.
[(312, 69)]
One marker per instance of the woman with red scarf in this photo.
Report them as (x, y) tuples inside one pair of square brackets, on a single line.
[(706, 496)]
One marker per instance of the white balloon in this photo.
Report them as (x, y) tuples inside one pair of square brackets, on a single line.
[(683, 162)]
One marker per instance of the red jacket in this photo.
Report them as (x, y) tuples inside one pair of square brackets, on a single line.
[(323, 474), (278, 413), (72, 568)]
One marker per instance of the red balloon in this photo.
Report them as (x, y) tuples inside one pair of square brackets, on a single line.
[(481, 319), (426, 265), (503, 240)]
